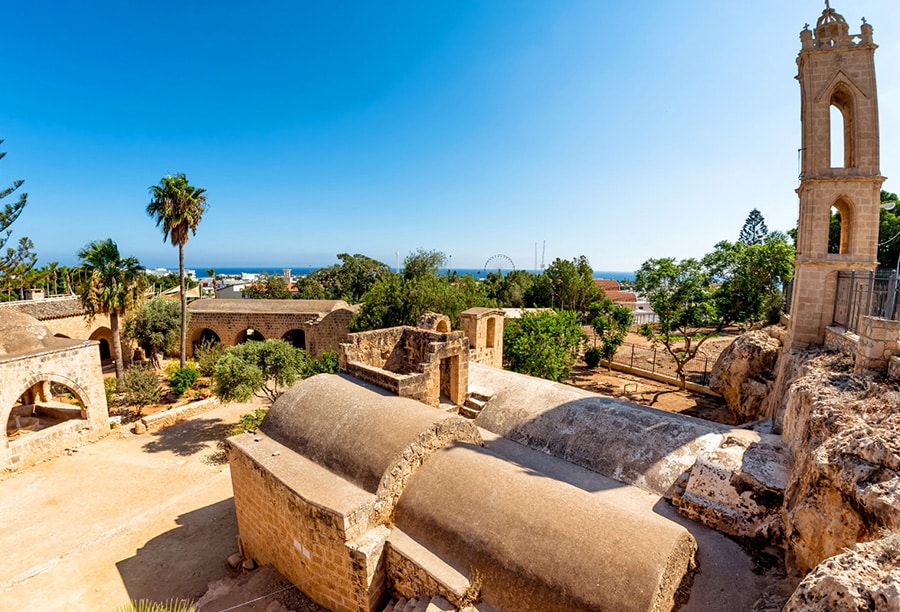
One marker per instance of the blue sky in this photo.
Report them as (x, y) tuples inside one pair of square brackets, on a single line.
[(616, 130)]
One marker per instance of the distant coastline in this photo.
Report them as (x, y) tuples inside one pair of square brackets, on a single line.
[(300, 271)]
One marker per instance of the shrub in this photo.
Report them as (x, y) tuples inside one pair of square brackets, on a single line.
[(145, 605), (207, 354), (182, 379), (141, 387), (249, 421), (111, 388), (326, 364), (592, 357)]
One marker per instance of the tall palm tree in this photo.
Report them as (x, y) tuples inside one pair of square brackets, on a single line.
[(178, 206), (115, 285)]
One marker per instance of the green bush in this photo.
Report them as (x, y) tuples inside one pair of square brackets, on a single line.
[(249, 421), (111, 388), (141, 387), (207, 354), (145, 605), (592, 357), (182, 379)]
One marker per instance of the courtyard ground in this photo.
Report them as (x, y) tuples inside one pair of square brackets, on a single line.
[(128, 517)]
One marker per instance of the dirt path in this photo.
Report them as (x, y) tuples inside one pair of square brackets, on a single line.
[(128, 517)]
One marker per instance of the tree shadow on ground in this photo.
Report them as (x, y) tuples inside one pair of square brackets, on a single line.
[(180, 563), (190, 437)]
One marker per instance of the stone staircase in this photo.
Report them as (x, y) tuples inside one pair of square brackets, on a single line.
[(474, 404)]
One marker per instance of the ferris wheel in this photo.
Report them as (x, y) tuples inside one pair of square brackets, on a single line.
[(501, 258)]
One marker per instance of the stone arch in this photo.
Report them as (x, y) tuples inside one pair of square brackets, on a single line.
[(249, 334), (844, 208), (842, 100), (205, 334), (296, 338), (103, 335), (33, 385)]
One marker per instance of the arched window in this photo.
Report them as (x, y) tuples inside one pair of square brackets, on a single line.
[(841, 124), (840, 222)]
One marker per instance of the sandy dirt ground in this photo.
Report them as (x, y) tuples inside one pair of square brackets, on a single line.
[(128, 517)]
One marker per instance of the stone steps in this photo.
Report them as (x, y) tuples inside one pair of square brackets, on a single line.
[(475, 403)]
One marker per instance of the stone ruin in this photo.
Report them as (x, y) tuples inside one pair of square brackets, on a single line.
[(34, 367), (553, 498)]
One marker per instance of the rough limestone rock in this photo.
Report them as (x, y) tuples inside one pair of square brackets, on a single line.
[(865, 578), (844, 432), (745, 372)]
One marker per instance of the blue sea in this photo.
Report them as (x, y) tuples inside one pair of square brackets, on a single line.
[(299, 271)]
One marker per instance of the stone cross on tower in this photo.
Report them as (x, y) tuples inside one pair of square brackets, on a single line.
[(836, 71)]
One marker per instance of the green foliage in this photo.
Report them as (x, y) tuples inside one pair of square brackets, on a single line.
[(750, 278), (571, 284), (610, 323), (141, 387), (249, 422), (182, 380), (177, 206), (682, 297), (145, 605), (268, 288), (155, 327), (326, 364), (261, 368), (396, 299), (422, 264), (754, 230), (207, 354), (115, 286), (592, 357), (543, 344), (889, 232), (111, 387), (349, 280), (512, 290)]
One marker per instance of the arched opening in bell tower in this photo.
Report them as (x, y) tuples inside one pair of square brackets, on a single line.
[(840, 222), (841, 124)]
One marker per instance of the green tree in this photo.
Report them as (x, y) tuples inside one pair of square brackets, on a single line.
[(751, 278), (681, 296), (571, 284), (115, 286), (889, 231), (268, 287), (211, 273), (422, 264), (754, 230), (155, 327), (348, 280), (543, 344), (178, 206), (610, 323), (265, 369), (18, 260), (511, 290), (396, 299)]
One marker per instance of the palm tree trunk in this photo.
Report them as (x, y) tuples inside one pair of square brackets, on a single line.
[(183, 341), (117, 345)]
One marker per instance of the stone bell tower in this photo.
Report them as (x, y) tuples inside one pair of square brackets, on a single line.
[(837, 84)]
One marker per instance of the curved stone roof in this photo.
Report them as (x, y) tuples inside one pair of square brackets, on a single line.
[(21, 334)]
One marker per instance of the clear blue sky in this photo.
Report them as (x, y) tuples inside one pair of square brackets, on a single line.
[(617, 130)]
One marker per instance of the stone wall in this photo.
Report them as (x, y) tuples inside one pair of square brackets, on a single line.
[(427, 366), (78, 368), (319, 539), (484, 329)]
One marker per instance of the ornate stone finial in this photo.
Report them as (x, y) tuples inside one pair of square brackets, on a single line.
[(827, 5)]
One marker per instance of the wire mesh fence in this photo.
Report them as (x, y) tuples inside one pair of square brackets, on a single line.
[(655, 360), (859, 294)]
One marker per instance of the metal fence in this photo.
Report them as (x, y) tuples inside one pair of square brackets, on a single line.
[(658, 361), (866, 293)]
